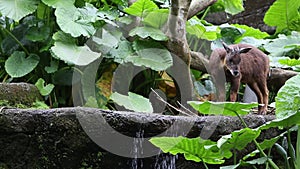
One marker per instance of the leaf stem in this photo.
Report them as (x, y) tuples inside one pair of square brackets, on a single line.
[(18, 42), (257, 144)]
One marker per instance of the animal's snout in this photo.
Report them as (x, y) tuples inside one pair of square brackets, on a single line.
[(235, 72)]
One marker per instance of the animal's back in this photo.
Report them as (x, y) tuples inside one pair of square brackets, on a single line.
[(254, 64)]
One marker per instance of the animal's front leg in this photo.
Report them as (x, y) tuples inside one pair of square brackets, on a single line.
[(234, 88)]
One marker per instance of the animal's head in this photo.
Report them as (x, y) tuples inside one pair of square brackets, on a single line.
[(233, 58)]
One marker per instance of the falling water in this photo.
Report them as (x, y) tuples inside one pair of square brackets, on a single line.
[(165, 161), (137, 150)]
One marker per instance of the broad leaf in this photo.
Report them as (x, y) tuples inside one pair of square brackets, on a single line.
[(282, 44), (289, 62), (71, 53), (140, 7), (237, 140), (196, 27), (250, 32), (288, 98), (145, 32), (17, 9), (120, 53), (59, 3), (287, 121), (77, 21), (18, 65), (36, 34), (45, 90), (9, 45), (133, 102), (53, 66), (206, 89), (282, 13), (222, 108), (105, 39), (232, 6), (151, 54), (156, 18), (195, 149)]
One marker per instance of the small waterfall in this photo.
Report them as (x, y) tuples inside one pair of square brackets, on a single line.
[(165, 161), (137, 150)]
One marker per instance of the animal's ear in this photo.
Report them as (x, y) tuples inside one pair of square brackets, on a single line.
[(244, 50), (226, 47)]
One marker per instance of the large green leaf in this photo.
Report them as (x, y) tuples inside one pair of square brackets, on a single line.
[(195, 149), (133, 102), (145, 32), (237, 140), (222, 108), (69, 52), (288, 98), (231, 6), (283, 44), (151, 54), (140, 7), (105, 39), (282, 14), (38, 33), (250, 32), (196, 27), (156, 18), (120, 53), (9, 45), (59, 3), (17, 9), (18, 65), (77, 21)]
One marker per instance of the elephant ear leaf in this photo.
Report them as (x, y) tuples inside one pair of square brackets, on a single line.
[(283, 14), (16, 9)]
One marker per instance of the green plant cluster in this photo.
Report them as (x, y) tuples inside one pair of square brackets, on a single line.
[(216, 152)]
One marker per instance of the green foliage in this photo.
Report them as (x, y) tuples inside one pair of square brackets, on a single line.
[(77, 21), (145, 32), (202, 29), (250, 32), (237, 140), (284, 14), (45, 90), (223, 108), (156, 18), (288, 98), (205, 89), (283, 44), (17, 9), (229, 6), (18, 65), (66, 50), (133, 102), (195, 149), (152, 55), (141, 7), (59, 3)]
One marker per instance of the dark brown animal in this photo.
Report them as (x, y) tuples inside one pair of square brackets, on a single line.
[(240, 63)]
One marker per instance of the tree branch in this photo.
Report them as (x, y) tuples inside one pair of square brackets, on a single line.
[(198, 62), (197, 6)]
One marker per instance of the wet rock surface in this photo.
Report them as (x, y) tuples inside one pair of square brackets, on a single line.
[(65, 137)]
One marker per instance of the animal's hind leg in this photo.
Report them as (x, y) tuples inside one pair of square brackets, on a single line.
[(265, 95), (259, 95)]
